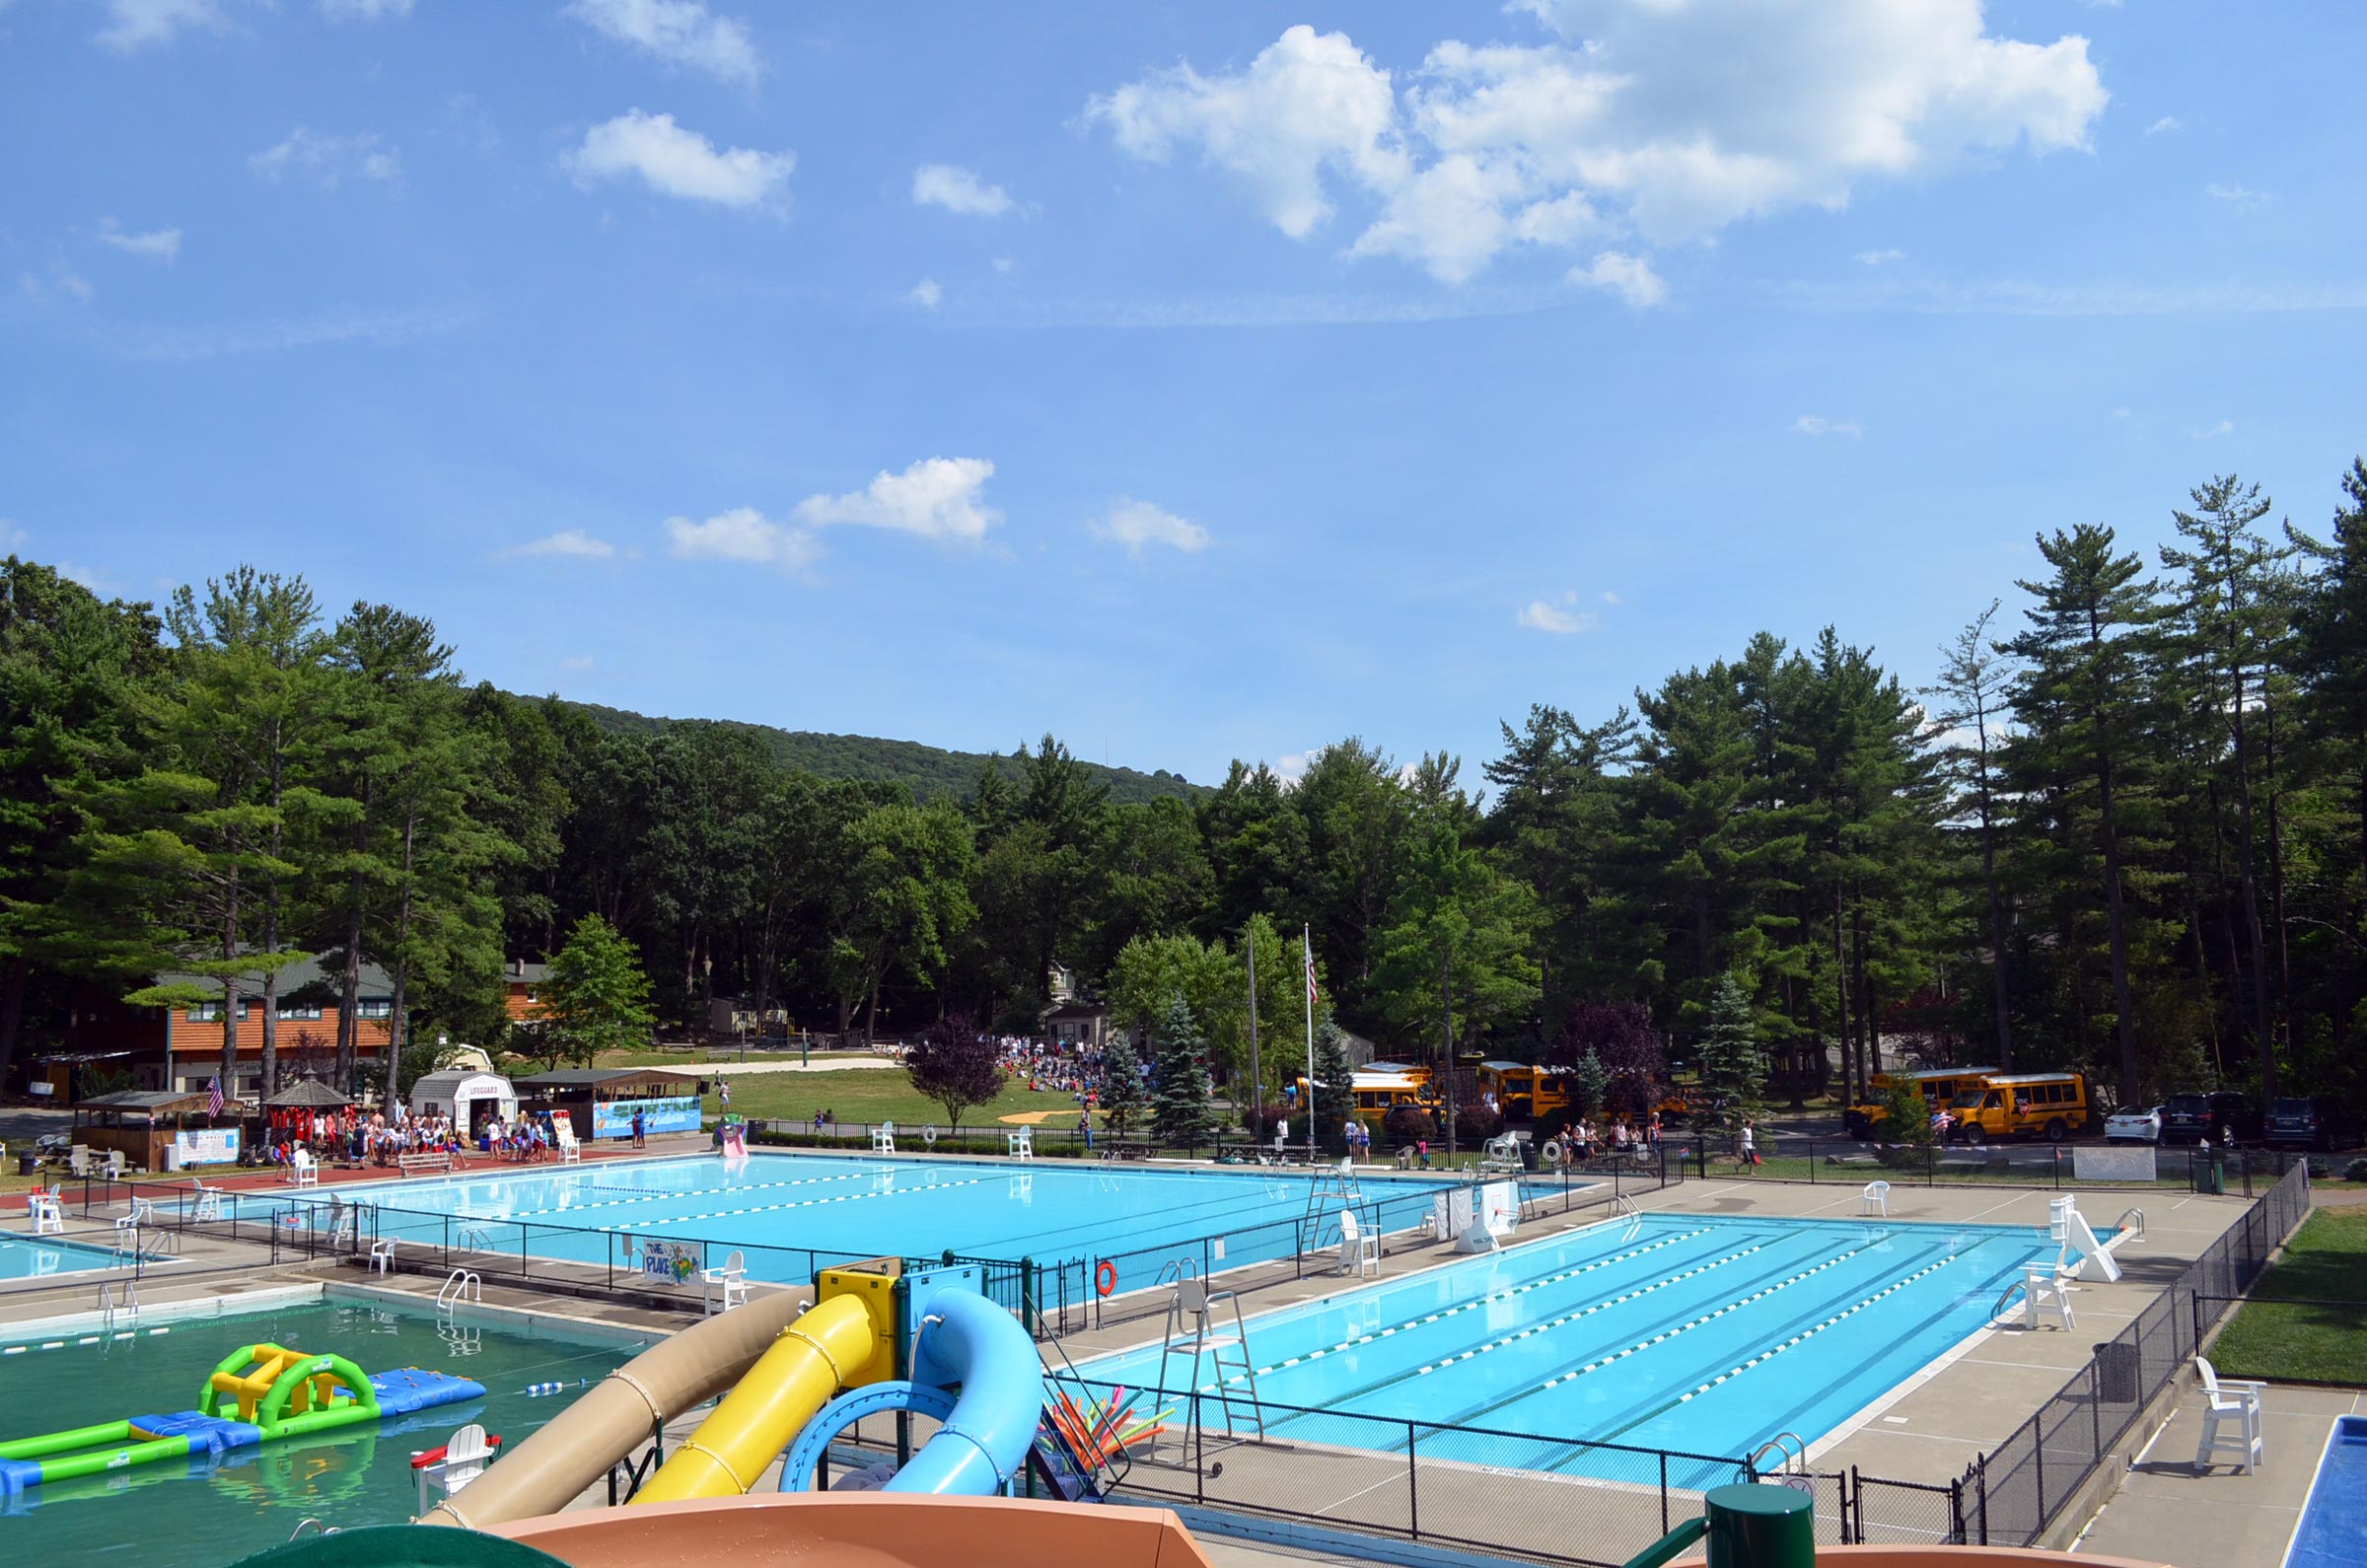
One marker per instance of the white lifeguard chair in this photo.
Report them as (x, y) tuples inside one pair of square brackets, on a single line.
[(458, 1462), (725, 1288), (883, 1138), (2044, 1296), (303, 1169), (1359, 1248), (48, 1212), (2228, 1403), (1503, 1156), (1209, 1351), (1020, 1143), (571, 1148)]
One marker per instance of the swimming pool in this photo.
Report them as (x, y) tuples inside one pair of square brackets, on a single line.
[(31, 1256), (2331, 1532), (788, 1212), (1704, 1335), (202, 1512)]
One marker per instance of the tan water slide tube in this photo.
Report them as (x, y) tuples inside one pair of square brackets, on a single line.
[(549, 1469)]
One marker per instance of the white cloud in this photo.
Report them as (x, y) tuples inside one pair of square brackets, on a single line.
[(1629, 276), (743, 535), (1612, 599), (2242, 198), (13, 536), (364, 10), (1817, 425), (1664, 118), (576, 662), (1879, 259), (1006, 266), (956, 189), (567, 541), (157, 245), (134, 25), (62, 283), (1136, 524), (328, 161), (675, 161), (1558, 615), (678, 32), (926, 294), (2225, 427), (2167, 123), (937, 498), (1292, 766)]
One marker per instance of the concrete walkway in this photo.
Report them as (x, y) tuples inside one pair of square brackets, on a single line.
[(2221, 1518)]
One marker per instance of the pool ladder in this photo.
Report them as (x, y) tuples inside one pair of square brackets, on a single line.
[(1195, 1336), (112, 1306), (460, 1285), (1791, 1452), (2126, 1215)]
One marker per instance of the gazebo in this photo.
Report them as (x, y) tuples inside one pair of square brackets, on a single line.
[(297, 1104), (128, 1120)]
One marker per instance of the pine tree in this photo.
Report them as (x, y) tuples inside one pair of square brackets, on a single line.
[(1334, 1095), (1591, 1084), (1123, 1096), (1180, 1111), (1732, 1064)]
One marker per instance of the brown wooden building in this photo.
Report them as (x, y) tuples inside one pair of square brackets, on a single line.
[(525, 983), (180, 1048)]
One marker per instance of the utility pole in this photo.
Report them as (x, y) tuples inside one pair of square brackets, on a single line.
[(1445, 1011), (1249, 941)]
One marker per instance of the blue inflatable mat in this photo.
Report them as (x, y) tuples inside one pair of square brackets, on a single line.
[(207, 1434), (402, 1392)]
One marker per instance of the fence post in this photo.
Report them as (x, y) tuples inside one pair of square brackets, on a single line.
[(1955, 1512), (1980, 1488), (1413, 1488), (1663, 1492), (2037, 1459), (1931, 1165)]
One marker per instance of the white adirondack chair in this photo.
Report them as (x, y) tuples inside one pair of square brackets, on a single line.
[(463, 1459), (115, 1165), (78, 1160)]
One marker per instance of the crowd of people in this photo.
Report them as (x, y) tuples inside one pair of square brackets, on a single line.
[(357, 1136)]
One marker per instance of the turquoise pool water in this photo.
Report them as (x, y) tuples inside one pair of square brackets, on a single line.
[(787, 1211), (202, 1513), (1696, 1333), (2332, 1529), (31, 1258)]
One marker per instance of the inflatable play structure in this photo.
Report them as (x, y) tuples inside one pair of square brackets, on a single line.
[(257, 1394), (877, 1340)]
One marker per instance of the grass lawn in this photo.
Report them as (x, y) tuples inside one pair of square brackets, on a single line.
[(2327, 1262)]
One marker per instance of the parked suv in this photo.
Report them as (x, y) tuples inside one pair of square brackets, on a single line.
[(2310, 1125), (2223, 1118)]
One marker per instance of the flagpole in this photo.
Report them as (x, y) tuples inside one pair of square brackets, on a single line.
[(1307, 937)]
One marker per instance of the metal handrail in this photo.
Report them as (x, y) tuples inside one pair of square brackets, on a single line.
[(2126, 1215), (1795, 1457)]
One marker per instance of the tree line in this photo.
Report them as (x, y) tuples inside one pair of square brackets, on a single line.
[(2124, 831)]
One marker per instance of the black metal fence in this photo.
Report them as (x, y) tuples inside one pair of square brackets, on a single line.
[(2018, 1491)]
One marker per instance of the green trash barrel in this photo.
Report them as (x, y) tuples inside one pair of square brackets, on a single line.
[(2211, 1172), (1760, 1526)]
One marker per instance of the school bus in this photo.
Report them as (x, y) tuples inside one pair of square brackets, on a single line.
[(1383, 1085), (1939, 1087), (2049, 1106)]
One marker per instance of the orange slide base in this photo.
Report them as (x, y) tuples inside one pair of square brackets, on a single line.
[(863, 1530)]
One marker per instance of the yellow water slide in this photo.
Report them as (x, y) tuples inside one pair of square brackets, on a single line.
[(829, 1348)]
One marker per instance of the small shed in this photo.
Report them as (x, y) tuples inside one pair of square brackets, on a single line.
[(602, 1101), (141, 1123), (466, 1096)]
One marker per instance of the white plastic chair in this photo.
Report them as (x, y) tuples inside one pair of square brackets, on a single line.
[(732, 1277), (1876, 1199), (382, 1255), (2229, 1401), (304, 1173), (2043, 1296), (1359, 1252)]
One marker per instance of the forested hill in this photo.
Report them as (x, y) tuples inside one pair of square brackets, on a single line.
[(931, 772)]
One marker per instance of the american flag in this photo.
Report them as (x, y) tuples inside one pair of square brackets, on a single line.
[(1314, 992), (213, 1096)]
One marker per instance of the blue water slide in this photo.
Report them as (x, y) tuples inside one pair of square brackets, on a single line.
[(985, 1432)]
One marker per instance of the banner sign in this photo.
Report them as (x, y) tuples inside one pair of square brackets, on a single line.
[(2120, 1163), (613, 1118), (668, 1262), (213, 1146)]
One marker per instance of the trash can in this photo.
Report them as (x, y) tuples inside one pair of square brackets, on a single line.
[(754, 1127), (28, 1164), (2116, 1371), (1527, 1154), (2211, 1172)]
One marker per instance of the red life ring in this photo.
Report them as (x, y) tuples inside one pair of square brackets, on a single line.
[(1104, 1278)]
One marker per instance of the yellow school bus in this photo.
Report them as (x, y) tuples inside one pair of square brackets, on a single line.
[(1383, 1085), (1940, 1085), (2049, 1106)]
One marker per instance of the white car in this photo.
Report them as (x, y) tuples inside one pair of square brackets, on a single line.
[(2133, 1127)]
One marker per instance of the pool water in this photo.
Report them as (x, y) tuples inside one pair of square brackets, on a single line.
[(199, 1512), (2331, 1532), (781, 1208), (33, 1258), (1696, 1333)]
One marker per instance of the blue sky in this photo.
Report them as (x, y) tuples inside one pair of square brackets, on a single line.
[(1191, 380)]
